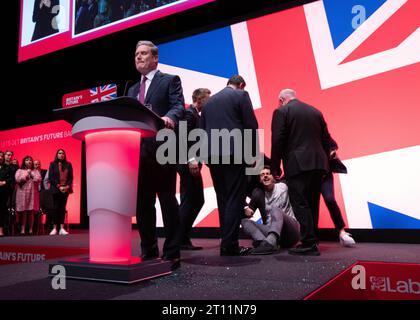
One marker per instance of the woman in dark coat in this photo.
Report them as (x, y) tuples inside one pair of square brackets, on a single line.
[(60, 176)]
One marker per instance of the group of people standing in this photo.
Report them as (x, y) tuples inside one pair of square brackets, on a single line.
[(300, 139), (21, 189)]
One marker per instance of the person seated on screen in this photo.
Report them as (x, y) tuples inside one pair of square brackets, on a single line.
[(279, 226), (104, 14)]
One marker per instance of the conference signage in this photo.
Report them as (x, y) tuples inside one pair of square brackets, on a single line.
[(96, 94)]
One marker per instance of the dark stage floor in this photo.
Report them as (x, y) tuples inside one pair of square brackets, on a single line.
[(204, 275)]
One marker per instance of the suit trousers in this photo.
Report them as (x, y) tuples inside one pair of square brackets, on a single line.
[(304, 194), (229, 182), (156, 179), (192, 200)]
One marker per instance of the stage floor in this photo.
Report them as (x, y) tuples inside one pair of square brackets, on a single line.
[(203, 275)]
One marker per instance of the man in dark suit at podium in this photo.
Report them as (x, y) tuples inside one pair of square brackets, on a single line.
[(163, 94), (299, 137)]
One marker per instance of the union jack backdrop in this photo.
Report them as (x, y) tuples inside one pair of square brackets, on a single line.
[(355, 60)]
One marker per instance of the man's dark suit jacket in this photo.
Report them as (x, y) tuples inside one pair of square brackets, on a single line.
[(228, 109), (192, 119), (300, 138), (165, 96)]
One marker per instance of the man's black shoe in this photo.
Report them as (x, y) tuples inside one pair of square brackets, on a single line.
[(176, 262), (190, 247), (264, 248), (305, 250), (150, 254), (239, 251), (256, 243)]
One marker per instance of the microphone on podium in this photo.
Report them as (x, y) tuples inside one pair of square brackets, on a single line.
[(126, 87)]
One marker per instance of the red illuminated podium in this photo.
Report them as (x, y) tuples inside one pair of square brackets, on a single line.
[(112, 131)]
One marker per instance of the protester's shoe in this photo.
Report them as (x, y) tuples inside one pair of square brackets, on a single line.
[(264, 248), (53, 232), (302, 250), (346, 240), (238, 251), (63, 232), (190, 246)]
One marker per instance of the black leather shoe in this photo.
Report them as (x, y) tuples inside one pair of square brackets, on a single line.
[(256, 243), (264, 248), (176, 262), (239, 251), (190, 247), (150, 254), (302, 250)]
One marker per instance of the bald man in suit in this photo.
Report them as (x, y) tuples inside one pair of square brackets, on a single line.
[(301, 140)]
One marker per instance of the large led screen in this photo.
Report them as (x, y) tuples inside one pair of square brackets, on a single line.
[(42, 142), (355, 60), (49, 25)]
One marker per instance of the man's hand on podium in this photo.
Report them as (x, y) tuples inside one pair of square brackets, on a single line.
[(169, 123)]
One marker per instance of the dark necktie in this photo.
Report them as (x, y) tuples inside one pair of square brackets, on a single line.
[(142, 89)]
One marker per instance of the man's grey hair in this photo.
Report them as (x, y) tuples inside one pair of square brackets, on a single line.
[(154, 50), (287, 94)]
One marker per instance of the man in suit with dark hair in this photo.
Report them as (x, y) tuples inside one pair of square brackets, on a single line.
[(191, 182), (300, 138), (229, 110), (163, 94)]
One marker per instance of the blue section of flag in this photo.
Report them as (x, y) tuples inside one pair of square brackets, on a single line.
[(383, 218), (340, 14), (211, 52)]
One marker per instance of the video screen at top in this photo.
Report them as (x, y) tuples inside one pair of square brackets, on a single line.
[(50, 25)]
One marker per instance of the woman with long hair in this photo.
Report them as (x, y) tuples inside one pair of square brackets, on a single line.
[(27, 193), (60, 175)]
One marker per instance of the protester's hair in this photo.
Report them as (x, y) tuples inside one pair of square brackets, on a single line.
[(23, 165), (236, 80), (9, 151), (200, 92), (154, 50), (267, 167)]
